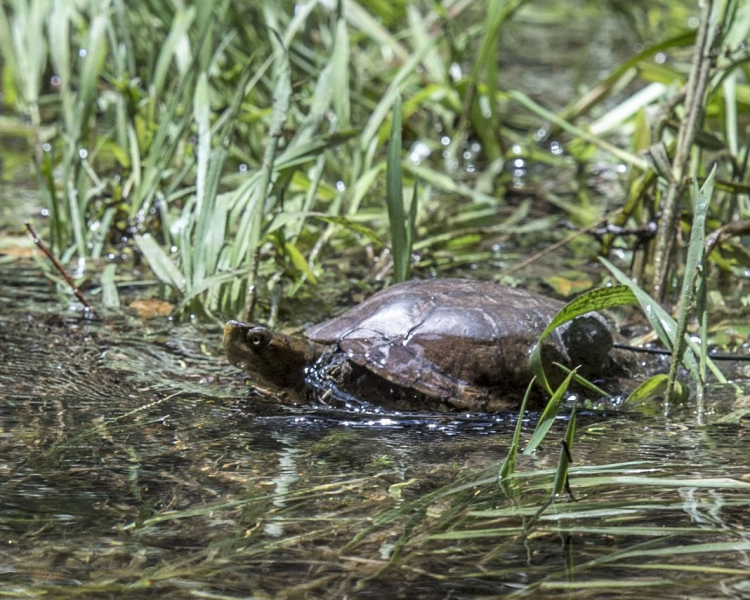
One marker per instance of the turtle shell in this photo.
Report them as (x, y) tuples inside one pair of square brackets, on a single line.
[(462, 340)]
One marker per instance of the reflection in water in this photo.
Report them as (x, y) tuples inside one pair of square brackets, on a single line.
[(287, 475)]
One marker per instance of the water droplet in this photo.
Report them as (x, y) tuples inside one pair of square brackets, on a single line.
[(455, 71), (418, 152)]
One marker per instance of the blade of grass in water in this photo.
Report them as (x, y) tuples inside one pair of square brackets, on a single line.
[(509, 464), (696, 250), (160, 263), (395, 198), (655, 387), (561, 475), (548, 416)]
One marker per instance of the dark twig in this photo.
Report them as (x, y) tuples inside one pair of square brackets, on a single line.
[(58, 265), (726, 232), (662, 352)]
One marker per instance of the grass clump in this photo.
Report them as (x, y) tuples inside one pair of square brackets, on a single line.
[(244, 138)]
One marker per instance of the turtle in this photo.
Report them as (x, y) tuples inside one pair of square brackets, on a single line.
[(439, 344)]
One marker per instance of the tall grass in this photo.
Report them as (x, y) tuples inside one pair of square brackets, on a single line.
[(238, 141)]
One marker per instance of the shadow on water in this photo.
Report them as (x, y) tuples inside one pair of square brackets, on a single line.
[(135, 461)]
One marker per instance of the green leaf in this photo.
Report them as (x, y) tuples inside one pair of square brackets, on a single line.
[(561, 474), (162, 266), (110, 297), (548, 416), (509, 464), (654, 388), (395, 198), (299, 261)]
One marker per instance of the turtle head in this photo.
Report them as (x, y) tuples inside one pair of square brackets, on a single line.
[(270, 358)]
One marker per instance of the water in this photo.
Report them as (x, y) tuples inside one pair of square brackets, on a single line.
[(135, 460)]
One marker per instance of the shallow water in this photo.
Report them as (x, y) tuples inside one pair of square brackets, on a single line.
[(135, 461)]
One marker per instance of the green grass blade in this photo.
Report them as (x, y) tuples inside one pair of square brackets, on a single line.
[(340, 75), (411, 225), (561, 474), (110, 297), (200, 213), (696, 250), (58, 29), (627, 157), (96, 52), (548, 416), (177, 40), (395, 198), (509, 464), (582, 380), (10, 61), (202, 116), (162, 266)]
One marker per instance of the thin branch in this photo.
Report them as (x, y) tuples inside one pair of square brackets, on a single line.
[(58, 265)]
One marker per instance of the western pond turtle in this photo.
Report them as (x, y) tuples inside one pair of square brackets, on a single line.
[(441, 344)]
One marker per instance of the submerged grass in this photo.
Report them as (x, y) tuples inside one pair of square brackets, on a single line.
[(471, 529)]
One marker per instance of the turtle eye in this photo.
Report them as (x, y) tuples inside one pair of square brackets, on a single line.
[(256, 339)]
